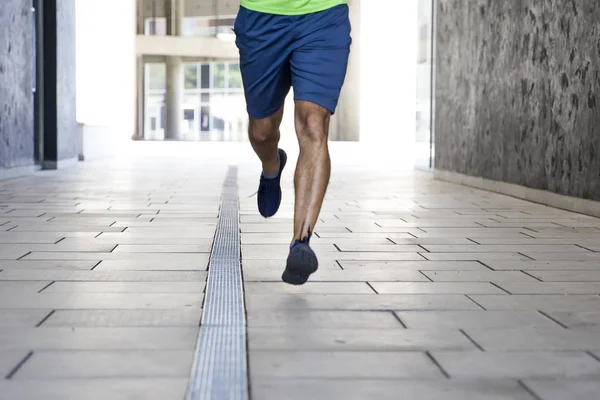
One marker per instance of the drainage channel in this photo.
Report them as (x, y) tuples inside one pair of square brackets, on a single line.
[(220, 370)]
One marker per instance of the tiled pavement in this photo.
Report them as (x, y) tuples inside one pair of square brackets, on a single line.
[(426, 290)]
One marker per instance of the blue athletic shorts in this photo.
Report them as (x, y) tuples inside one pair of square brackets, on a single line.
[(307, 52)]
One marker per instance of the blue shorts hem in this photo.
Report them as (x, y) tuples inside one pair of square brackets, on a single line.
[(264, 114)]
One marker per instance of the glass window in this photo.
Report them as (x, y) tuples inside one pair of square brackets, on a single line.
[(191, 76), (219, 76), (205, 76), (235, 76), (157, 76), (155, 27)]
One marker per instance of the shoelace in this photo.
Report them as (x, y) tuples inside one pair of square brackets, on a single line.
[(263, 185)]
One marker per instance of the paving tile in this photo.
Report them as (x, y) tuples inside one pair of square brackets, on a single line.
[(340, 276), (322, 319), (471, 232), (137, 232), (359, 302), (53, 264), (560, 389), (64, 228), (101, 300), (319, 389), (155, 338), (124, 318), (356, 365), (567, 256), (170, 258), (527, 241), (94, 389), (16, 287), (473, 248), (124, 287), (99, 276), (551, 287), (442, 223), (159, 264), (22, 318), (9, 359), (391, 248), (314, 287), (567, 276), (166, 248), (539, 302), (414, 265), (286, 228), (475, 256), (537, 339), (59, 247), (478, 276), (497, 365), (408, 233), (12, 253), (107, 364), (435, 288), (28, 238), (328, 339), (544, 265), (577, 319), (167, 223), (122, 239), (454, 320)]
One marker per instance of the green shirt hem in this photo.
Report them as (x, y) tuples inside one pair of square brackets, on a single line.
[(303, 11)]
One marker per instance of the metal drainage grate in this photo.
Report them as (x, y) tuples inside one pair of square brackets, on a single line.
[(220, 367)]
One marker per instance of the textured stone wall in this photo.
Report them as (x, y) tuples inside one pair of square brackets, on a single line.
[(518, 92), (16, 82), (68, 141)]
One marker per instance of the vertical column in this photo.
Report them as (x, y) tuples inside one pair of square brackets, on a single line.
[(345, 124), (140, 75), (174, 78), (61, 133)]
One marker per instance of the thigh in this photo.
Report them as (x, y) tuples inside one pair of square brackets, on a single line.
[(319, 60), (263, 41)]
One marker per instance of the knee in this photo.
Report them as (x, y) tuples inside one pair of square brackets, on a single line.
[(312, 127), (262, 131)]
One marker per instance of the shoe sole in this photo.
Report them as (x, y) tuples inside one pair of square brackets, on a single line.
[(301, 264), (283, 161)]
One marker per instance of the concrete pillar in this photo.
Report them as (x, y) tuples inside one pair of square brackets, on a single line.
[(140, 98), (174, 71), (174, 98), (345, 124)]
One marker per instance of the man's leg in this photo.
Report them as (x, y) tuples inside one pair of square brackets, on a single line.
[(318, 66), (313, 168), (264, 43), (264, 138)]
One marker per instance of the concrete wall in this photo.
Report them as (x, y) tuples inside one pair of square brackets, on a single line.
[(16, 82), (518, 93)]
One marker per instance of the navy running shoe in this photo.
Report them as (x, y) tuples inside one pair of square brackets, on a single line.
[(301, 263), (269, 190)]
